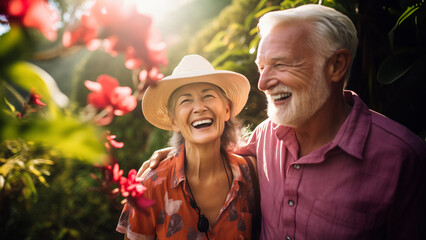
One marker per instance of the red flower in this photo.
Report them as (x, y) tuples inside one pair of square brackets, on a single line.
[(124, 30), (35, 99), (33, 14), (107, 94)]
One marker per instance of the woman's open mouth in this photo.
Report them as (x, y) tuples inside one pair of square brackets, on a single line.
[(202, 123)]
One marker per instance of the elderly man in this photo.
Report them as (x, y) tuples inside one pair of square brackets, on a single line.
[(329, 168)]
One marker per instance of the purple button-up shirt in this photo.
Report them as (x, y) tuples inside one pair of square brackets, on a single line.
[(367, 183)]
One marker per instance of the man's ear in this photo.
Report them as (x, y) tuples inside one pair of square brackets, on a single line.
[(338, 65)]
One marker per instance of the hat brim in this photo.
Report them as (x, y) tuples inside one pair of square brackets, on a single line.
[(156, 97)]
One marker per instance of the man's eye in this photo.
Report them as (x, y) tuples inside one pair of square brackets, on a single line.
[(281, 65)]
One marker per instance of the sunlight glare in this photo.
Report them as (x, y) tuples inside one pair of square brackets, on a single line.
[(157, 8)]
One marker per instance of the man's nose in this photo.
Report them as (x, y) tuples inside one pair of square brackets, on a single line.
[(267, 79)]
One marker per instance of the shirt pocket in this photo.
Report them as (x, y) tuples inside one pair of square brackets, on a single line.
[(330, 221)]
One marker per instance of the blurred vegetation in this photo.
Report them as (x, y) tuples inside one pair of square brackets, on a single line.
[(47, 192)]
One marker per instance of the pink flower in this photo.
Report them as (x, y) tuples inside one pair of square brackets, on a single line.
[(107, 94), (151, 76), (133, 190), (117, 173), (130, 188), (123, 101), (85, 34), (114, 143), (33, 14)]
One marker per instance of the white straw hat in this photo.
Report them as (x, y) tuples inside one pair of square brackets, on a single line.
[(192, 69)]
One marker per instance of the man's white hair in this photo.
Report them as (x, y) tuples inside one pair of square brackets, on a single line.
[(331, 30)]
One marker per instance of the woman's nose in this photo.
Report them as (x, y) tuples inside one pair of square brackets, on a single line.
[(199, 106)]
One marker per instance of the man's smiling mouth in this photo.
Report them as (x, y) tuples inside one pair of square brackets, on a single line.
[(280, 96)]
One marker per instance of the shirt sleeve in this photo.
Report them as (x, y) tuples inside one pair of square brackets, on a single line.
[(135, 224), (408, 212), (249, 146), (407, 216)]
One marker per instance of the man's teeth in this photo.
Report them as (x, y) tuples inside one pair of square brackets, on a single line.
[(280, 96), (205, 121)]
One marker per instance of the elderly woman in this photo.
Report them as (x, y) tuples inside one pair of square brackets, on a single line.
[(203, 191)]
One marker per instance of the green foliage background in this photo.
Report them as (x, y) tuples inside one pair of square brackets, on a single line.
[(65, 206)]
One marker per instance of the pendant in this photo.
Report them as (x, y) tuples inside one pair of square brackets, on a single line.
[(203, 224)]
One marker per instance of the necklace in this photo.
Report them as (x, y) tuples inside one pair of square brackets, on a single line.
[(203, 222)]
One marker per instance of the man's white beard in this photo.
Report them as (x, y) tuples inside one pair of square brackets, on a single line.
[(303, 104)]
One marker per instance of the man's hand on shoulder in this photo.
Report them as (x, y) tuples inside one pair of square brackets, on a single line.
[(153, 162)]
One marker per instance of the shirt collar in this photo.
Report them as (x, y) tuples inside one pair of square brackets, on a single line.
[(353, 133), (287, 135), (351, 136), (178, 173)]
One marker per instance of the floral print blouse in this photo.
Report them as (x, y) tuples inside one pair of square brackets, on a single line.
[(172, 216)]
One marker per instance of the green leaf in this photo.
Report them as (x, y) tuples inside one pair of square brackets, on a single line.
[(410, 10), (14, 45), (11, 107), (266, 10), (254, 43), (397, 65), (253, 31), (29, 190), (41, 161), (23, 75), (252, 16), (64, 134), (7, 167), (216, 42)]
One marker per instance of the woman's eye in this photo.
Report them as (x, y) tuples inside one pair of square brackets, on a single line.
[(183, 101), (209, 96)]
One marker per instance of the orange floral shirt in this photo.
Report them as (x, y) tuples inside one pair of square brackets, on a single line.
[(172, 216)]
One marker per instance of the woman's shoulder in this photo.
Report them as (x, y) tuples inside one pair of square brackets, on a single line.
[(163, 171), (235, 158)]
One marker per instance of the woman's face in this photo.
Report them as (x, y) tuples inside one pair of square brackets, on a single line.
[(200, 113)]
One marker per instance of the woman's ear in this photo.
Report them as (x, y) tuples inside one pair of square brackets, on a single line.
[(338, 65), (228, 111), (174, 126)]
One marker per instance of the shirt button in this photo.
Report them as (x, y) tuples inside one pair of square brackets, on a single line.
[(287, 237), (296, 166), (291, 203)]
